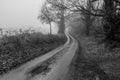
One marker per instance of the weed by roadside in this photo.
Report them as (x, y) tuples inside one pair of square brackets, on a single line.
[(18, 49)]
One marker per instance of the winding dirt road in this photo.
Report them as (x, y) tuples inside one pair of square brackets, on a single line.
[(59, 66)]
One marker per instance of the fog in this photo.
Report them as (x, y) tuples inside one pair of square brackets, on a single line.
[(15, 14)]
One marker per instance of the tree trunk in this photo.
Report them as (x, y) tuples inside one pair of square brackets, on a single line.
[(88, 25), (88, 18), (50, 29), (61, 29), (62, 23), (110, 28)]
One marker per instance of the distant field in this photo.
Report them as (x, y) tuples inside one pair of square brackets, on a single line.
[(18, 49)]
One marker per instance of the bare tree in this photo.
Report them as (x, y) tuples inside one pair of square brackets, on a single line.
[(46, 16), (59, 7), (88, 19), (109, 10), (87, 9)]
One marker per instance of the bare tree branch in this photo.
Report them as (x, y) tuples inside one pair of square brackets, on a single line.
[(117, 1)]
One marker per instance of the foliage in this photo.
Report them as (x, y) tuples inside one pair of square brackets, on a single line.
[(55, 11), (18, 49), (109, 11), (46, 16)]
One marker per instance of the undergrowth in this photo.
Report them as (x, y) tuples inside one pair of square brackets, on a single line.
[(20, 48)]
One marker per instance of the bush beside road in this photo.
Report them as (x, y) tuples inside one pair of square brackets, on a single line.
[(16, 50)]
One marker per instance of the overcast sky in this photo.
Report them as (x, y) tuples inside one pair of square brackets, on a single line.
[(16, 14)]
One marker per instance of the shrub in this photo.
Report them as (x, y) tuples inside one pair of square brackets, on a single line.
[(18, 49)]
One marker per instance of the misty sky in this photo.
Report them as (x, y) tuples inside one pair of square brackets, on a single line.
[(16, 14)]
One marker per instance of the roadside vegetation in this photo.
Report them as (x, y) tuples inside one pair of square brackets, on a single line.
[(96, 24), (18, 49)]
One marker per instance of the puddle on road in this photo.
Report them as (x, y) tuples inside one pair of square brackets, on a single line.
[(41, 69), (44, 67)]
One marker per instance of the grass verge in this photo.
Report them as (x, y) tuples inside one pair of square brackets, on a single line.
[(99, 62)]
